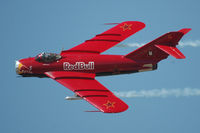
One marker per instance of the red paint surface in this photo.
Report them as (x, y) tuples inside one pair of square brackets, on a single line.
[(81, 78)]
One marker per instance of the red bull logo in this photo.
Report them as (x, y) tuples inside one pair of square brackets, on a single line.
[(78, 66)]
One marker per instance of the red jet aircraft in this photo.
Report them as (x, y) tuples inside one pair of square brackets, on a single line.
[(77, 67)]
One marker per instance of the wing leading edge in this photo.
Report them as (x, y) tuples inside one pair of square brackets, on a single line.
[(107, 39), (86, 86)]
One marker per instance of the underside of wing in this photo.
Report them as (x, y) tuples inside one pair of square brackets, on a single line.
[(107, 39), (85, 86)]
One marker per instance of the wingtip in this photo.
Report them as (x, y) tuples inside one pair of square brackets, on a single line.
[(139, 23), (143, 25), (120, 109)]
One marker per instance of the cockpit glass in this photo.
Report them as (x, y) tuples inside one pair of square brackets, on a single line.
[(47, 57)]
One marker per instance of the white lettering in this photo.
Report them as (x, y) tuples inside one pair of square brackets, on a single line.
[(78, 66)]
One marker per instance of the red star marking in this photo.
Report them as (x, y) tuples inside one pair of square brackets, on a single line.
[(109, 104), (126, 27)]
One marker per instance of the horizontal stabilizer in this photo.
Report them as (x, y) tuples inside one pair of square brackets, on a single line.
[(173, 51)]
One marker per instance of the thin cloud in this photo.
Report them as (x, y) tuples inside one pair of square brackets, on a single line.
[(195, 43), (159, 93)]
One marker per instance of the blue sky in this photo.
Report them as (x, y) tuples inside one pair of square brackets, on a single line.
[(37, 105)]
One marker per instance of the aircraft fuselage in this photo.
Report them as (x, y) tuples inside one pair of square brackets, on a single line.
[(101, 65)]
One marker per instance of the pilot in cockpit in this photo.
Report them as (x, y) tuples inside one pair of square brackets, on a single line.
[(47, 57)]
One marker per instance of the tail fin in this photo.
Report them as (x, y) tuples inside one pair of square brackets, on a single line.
[(160, 48)]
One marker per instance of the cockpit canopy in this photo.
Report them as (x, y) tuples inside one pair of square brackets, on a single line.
[(47, 57)]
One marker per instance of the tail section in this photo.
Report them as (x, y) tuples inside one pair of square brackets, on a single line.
[(160, 48)]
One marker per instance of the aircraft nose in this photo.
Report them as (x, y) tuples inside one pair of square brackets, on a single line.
[(18, 66)]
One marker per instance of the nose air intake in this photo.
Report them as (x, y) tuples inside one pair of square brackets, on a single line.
[(18, 66)]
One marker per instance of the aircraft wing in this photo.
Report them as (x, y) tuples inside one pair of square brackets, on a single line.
[(107, 39), (85, 85)]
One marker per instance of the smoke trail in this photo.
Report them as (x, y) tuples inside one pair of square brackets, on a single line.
[(130, 45), (195, 43), (190, 43), (163, 93)]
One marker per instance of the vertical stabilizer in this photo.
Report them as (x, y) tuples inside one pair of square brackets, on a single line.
[(160, 48)]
